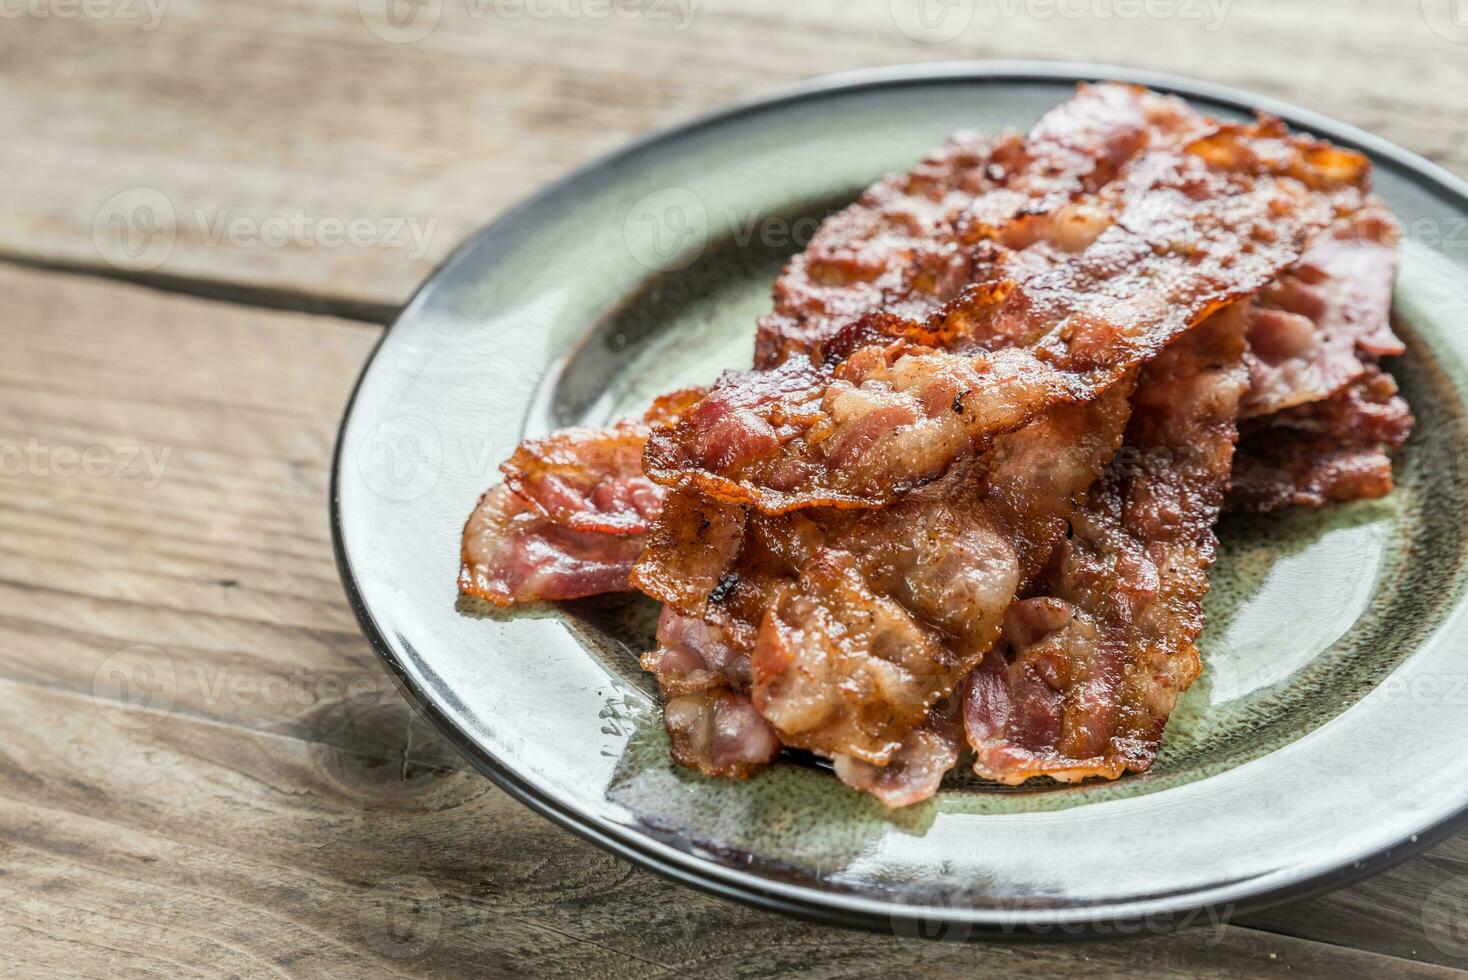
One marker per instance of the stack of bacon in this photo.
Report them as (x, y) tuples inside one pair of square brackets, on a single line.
[(968, 493)]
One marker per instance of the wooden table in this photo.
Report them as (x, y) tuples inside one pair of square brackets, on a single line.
[(263, 802)]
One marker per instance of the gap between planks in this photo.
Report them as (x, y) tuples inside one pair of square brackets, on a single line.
[(241, 293)]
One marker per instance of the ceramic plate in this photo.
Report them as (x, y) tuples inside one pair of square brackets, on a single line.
[(1323, 741)]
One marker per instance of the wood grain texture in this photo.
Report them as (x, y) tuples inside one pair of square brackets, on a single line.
[(283, 120), (204, 770), (249, 815), (255, 854), (197, 541)]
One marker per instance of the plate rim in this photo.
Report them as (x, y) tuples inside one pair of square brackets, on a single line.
[(824, 907)]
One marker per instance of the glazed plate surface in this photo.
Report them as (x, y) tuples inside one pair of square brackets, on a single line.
[(1323, 740)]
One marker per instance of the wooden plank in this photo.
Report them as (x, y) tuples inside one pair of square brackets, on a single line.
[(170, 845), (291, 117), (165, 471), (1417, 910)]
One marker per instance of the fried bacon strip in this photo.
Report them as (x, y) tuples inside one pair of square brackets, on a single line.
[(1098, 660), (1332, 451), (1188, 240), (908, 244), (513, 555), (1321, 417), (568, 520), (1319, 326), (587, 479)]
